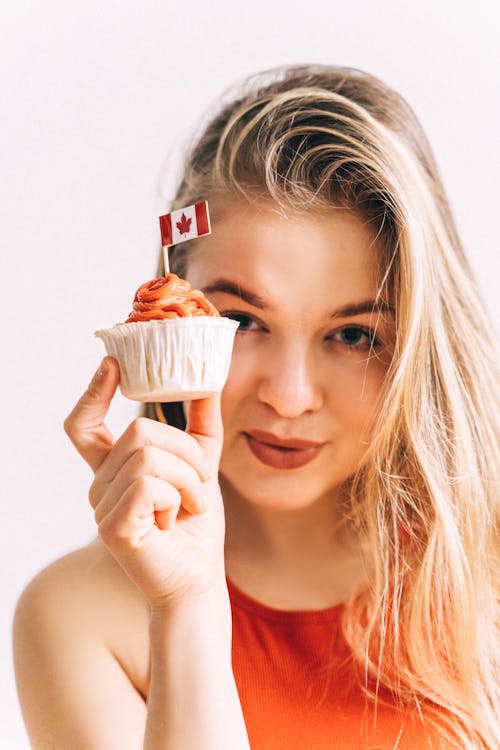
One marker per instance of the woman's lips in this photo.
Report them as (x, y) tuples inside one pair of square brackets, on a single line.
[(281, 453)]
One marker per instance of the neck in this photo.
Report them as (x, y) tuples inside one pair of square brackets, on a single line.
[(282, 533), (307, 557)]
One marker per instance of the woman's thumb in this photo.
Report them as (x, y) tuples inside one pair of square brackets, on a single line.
[(85, 425)]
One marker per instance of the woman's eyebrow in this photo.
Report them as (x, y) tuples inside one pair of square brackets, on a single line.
[(361, 308), (230, 287), (237, 290)]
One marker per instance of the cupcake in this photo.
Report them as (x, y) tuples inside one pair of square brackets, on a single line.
[(174, 345)]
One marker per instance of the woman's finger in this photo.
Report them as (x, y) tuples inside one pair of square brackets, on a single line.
[(148, 500), (142, 432), (85, 424), (204, 423), (150, 461)]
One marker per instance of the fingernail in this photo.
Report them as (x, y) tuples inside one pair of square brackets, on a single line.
[(101, 371)]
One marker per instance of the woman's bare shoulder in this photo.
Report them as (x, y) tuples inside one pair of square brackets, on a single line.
[(87, 576), (86, 595)]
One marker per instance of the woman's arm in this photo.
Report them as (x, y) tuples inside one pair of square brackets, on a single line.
[(74, 689), (159, 512), (193, 700)]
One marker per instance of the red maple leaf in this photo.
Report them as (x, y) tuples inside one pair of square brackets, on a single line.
[(184, 224)]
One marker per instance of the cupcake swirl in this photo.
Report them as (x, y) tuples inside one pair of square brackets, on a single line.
[(169, 297)]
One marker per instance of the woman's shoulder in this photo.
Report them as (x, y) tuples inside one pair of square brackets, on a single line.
[(84, 597), (87, 576)]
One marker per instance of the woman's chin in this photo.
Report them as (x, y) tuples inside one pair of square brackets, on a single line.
[(281, 493)]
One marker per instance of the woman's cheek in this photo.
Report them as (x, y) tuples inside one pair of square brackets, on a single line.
[(244, 364), (356, 395)]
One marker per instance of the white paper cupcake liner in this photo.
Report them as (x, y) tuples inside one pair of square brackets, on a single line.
[(172, 360)]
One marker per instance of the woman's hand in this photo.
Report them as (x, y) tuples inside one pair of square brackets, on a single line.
[(155, 492)]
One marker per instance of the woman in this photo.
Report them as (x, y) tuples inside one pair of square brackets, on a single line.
[(322, 574)]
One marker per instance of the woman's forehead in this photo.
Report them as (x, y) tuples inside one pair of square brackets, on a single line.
[(313, 252)]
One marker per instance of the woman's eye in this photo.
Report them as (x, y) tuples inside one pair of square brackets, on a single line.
[(355, 338), (246, 322)]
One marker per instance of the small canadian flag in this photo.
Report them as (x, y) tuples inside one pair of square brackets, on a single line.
[(185, 224)]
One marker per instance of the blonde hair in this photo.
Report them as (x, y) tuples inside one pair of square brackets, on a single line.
[(426, 496)]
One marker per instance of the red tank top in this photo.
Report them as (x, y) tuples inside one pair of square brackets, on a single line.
[(298, 686)]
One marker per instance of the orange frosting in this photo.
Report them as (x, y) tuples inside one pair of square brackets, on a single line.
[(169, 297)]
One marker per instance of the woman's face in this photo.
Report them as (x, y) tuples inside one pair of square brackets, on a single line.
[(310, 356)]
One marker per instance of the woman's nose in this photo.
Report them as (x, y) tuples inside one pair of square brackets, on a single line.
[(289, 382)]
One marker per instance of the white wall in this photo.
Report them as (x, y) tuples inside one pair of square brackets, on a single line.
[(97, 98)]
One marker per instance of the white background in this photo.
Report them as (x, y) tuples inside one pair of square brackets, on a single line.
[(97, 100)]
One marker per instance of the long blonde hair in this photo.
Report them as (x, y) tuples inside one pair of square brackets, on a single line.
[(426, 496)]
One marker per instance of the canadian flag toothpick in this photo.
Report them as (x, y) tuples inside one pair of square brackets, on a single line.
[(183, 224)]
